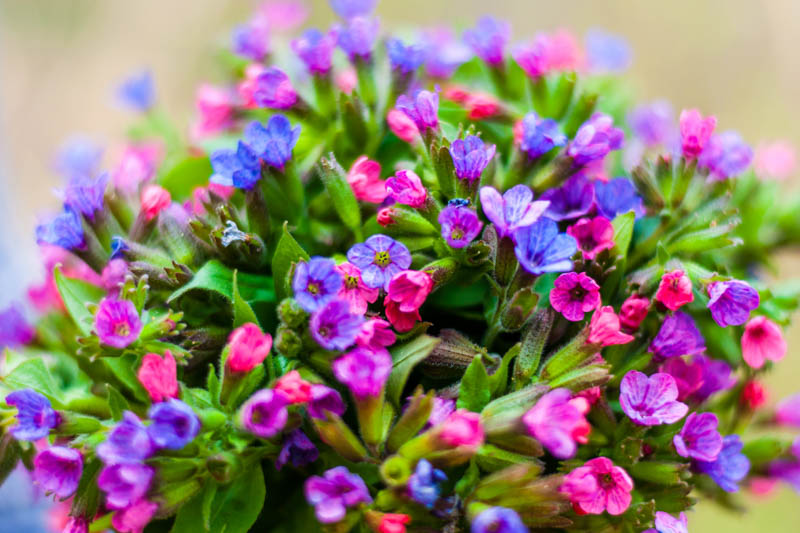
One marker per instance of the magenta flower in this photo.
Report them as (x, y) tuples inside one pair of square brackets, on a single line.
[(488, 39), (471, 156), (598, 486), (730, 467), (335, 326), (409, 289), (264, 414), (133, 519), (595, 139), (402, 125), (316, 282), (364, 178), (248, 346), (534, 57), (554, 421), (35, 416), (678, 336), (376, 334), (730, 302), (593, 235), (695, 132), (699, 438), (650, 401), (153, 200), (461, 428), (604, 328), (787, 412), (158, 376), (324, 400), (354, 291), (460, 225), (674, 290), (513, 210), (315, 49), (379, 258), (422, 108), (127, 442), (125, 483), (117, 322), (333, 493), (762, 340), (273, 89), (574, 294), (634, 311), (406, 188), (58, 470), (363, 371)]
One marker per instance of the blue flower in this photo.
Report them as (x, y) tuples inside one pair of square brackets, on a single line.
[(85, 194), (424, 483), (298, 450), (174, 424), (316, 282), (616, 197), (357, 38), (405, 58), (35, 416), (730, 467), (572, 200), (726, 155), (498, 520), (138, 91), (240, 169), (539, 136), (379, 258), (128, 442), (79, 156), (118, 247), (348, 9), (541, 248), (65, 230), (273, 143)]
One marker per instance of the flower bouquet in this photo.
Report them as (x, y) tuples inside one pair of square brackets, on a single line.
[(412, 285)]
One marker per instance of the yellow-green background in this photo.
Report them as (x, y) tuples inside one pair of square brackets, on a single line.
[(60, 59)]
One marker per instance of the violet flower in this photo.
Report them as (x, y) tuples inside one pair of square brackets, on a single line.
[(315, 49), (273, 89), (666, 523), (251, 41), (574, 294), (127, 442), (424, 485), (404, 58), (175, 424), (15, 330), (498, 520), (573, 199), (443, 52), (688, 375), (316, 282), (653, 123), (264, 414), (488, 39), (460, 225), (617, 196), (730, 302), (678, 336), (513, 210), (699, 438), (725, 155), (273, 143), (58, 470), (125, 483), (422, 108), (651, 401), (334, 326), (730, 467), (555, 421), (35, 416), (324, 400), (364, 371), (539, 136), (64, 230), (541, 248), (333, 493), (379, 258), (348, 9), (138, 92), (717, 376), (117, 323), (607, 52), (357, 37), (595, 139), (85, 195), (297, 450), (240, 168), (79, 156), (471, 156)]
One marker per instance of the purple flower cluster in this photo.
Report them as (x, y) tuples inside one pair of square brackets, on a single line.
[(364, 371), (334, 492)]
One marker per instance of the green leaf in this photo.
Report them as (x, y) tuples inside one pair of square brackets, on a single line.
[(9, 455), (570, 356), (242, 312), (76, 294), (233, 509), (124, 369), (499, 380), (185, 176), (287, 252), (213, 385), (116, 402), (338, 188), (468, 481), (216, 277), (33, 374), (623, 231), (405, 357), (474, 392)]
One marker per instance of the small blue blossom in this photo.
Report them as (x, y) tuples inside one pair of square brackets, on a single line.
[(174, 424), (240, 169), (35, 416), (64, 230), (730, 467), (316, 282), (404, 58), (573, 199), (539, 136), (424, 485), (118, 247), (85, 195), (138, 91), (541, 248), (357, 37), (616, 197), (273, 143)]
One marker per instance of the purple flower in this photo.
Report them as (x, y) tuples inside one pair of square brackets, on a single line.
[(442, 408), (379, 258), (364, 371), (316, 282), (616, 197), (14, 328), (541, 248), (264, 414), (607, 52), (35, 415), (651, 401), (573, 199), (699, 438), (240, 169), (730, 302), (348, 9), (512, 211), (730, 466), (726, 155), (404, 58), (653, 123), (315, 49), (422, 108), (539, 136), (79, 156), (595, 139), (333, 493), (787, 412), (488, 39), (298, 450), (424, 483), (444, 53), (786, 471), (64, 230), (128, 442), (138, 92), (251, 41), (666, 523), (716, 377), (678, 336), (554, 421), (460, 225), (117, 322), (85, 195), (357, 37), (498, 520), (324, 400), (334, 326), (174, 425), (471, 156), (58, 470), (273, 143), (274, 89), (124, 483)]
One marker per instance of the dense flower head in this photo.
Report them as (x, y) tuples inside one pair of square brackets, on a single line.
[(571, 200), (574, 294), (64, 230), (127, 442), (539, 135), (364, 371), (730, 302), (595, 139), (607, 52), (617, 196), (593, 235), (315, 49), (85, 195), (334, 326), (137, 92), (471, 156), (699, 438), (379, 257), (460, 225), (674, 290), (405, 187), (158, 376), (297, 450), (264, 414), (557, 422), (604, 328), (174, 424), (354, 290), (513, 210), (678, 336), (125, 483), (424, 485), (498, 520), (488, 39), (117, 322), (35, 416), (653, 123), (762, 341), (58, 469), (333, 492), (316, 282), (364, 178), (541, 248), (422, 108), (404, 58), (598, 486), (730, 466), (324, 400), (357, 37), (650, 401), (725, 155), (695, 131), (273, 89), (248, 346)]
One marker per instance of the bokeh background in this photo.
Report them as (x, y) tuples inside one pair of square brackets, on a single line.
[(61, 59)]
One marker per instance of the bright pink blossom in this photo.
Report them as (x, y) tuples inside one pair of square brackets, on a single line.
[(296, 389), (556, 421), (402, 321), (158, 376), (385, 216), (409, 289), (754, 395), (593, 235), (574, 294), (376, 334), (393, 523), (402, 126), (406, 188), (598, 486), (787, 412), (696, 130), (137, 165), (604, 328), (364, 178), (461, 428), (215, 106), (155, 199), (633, 311), (248, 346), (354, 291), (247, 87), (133, 519), (674, 290), (762, 340)]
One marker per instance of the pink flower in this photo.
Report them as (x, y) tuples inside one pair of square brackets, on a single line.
[(461, 428), (401, 321), (364, 178), (598, 486), (158, 376), (406, 188), (674, 290), (133, 519), (574, 294), (346, 80), (385, 216), (409, 289), (75, 524), (482, 105), (604, 328), (776, 160), (762, 340), (754, 395), (248, 347), (215, 109), (155, 198), (787, 412), (593, 235), (555, 421), (137, 165), (247, 87), (354, 291), (402, 126), (695, 132), (294, 387), (376, 334), (117, 323), (633, 311), (393, 523)]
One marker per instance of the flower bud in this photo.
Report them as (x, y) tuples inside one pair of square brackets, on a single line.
[(291, 313), (153, 200), (247, 348), (224, 466), (287, 342)]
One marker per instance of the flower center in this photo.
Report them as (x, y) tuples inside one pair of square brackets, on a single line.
[(457, 234), (122, 329), (382, 259), (351, 282), (606, 481), (577, 293), (324, 332), (313, 287)]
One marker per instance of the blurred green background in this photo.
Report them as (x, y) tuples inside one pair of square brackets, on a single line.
[(61, 59)]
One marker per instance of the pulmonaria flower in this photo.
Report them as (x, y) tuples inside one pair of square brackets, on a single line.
[(595, 139), (404, 58), (354, 291), (379, 258), (264, 414), (666, 523), (557, 422), (653, 123), (215, 110), (376, 334), (488, 39), (471, 156), (154, 199), (64, 230), (424, 485), (363, 371), (402, 321), (762, 340), (593, 235), (461, 429), (533, 57), (674, 290), (334, 492), (138, 91), (297, 450), (498, 520), (688, 375), (422, 108), (573, 199), (85, 195), (357, 37), (409, 289), (460, 225), (76, 524), (725, 155), (137, 165), (364, 178), (127, 442), (133, 519), (539, 136), (35, 415), (273, 89), (754, 395), (294, 387), (540, 248), (787, 412), (717, 376), (633, 311), (316, 282), (348, 9), (598, 486), (513, 210), (125, 483), (273, 143), (324, 400), (574, 294), (58, 470), (678, 336), (174, 425), (405, 187), (15, 330), (444, 52), (117, 323), (393, 523), (248, 346), (730, 302), (695, 130), (240, 168), (158, 376), (315, 49), (776, 160), (604, 328), (402, 125), (79, 156), (651, 401), (607, 52), (616, 197), (699, 438), (481, 105), (730, 467), (335, 326)]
